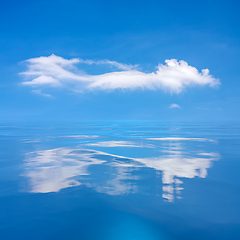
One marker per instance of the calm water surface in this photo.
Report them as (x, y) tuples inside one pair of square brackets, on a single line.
[(120, 180)]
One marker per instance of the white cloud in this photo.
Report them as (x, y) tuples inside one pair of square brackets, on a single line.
[(39, 92), (174, 105), (120, 66), (42, 80), (174, 76)]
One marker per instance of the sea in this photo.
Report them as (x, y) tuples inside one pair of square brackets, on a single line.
[(120, 180)]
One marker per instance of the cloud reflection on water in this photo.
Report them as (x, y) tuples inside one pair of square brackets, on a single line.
[(118, 144), (54, 169)]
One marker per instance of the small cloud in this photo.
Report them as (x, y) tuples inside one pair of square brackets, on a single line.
[(174, 105), (39, 92)]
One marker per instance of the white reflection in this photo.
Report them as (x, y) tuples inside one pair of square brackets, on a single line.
[(179, 164), (176, 166), (55, 169), (117, 144), (81, 136), (182, 139), (118, 184)]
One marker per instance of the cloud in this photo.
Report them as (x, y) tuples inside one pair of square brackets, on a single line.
[(39, 92), (174, 105), (55, 71), (120, 66)]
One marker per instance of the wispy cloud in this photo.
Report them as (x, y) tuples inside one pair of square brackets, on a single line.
[(120, 66), (55, 71), (39, 92), (174, 105)]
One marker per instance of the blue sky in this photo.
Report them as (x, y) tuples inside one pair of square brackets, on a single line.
[(138, 34)]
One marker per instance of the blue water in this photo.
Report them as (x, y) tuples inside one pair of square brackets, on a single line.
[(120, 180)]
